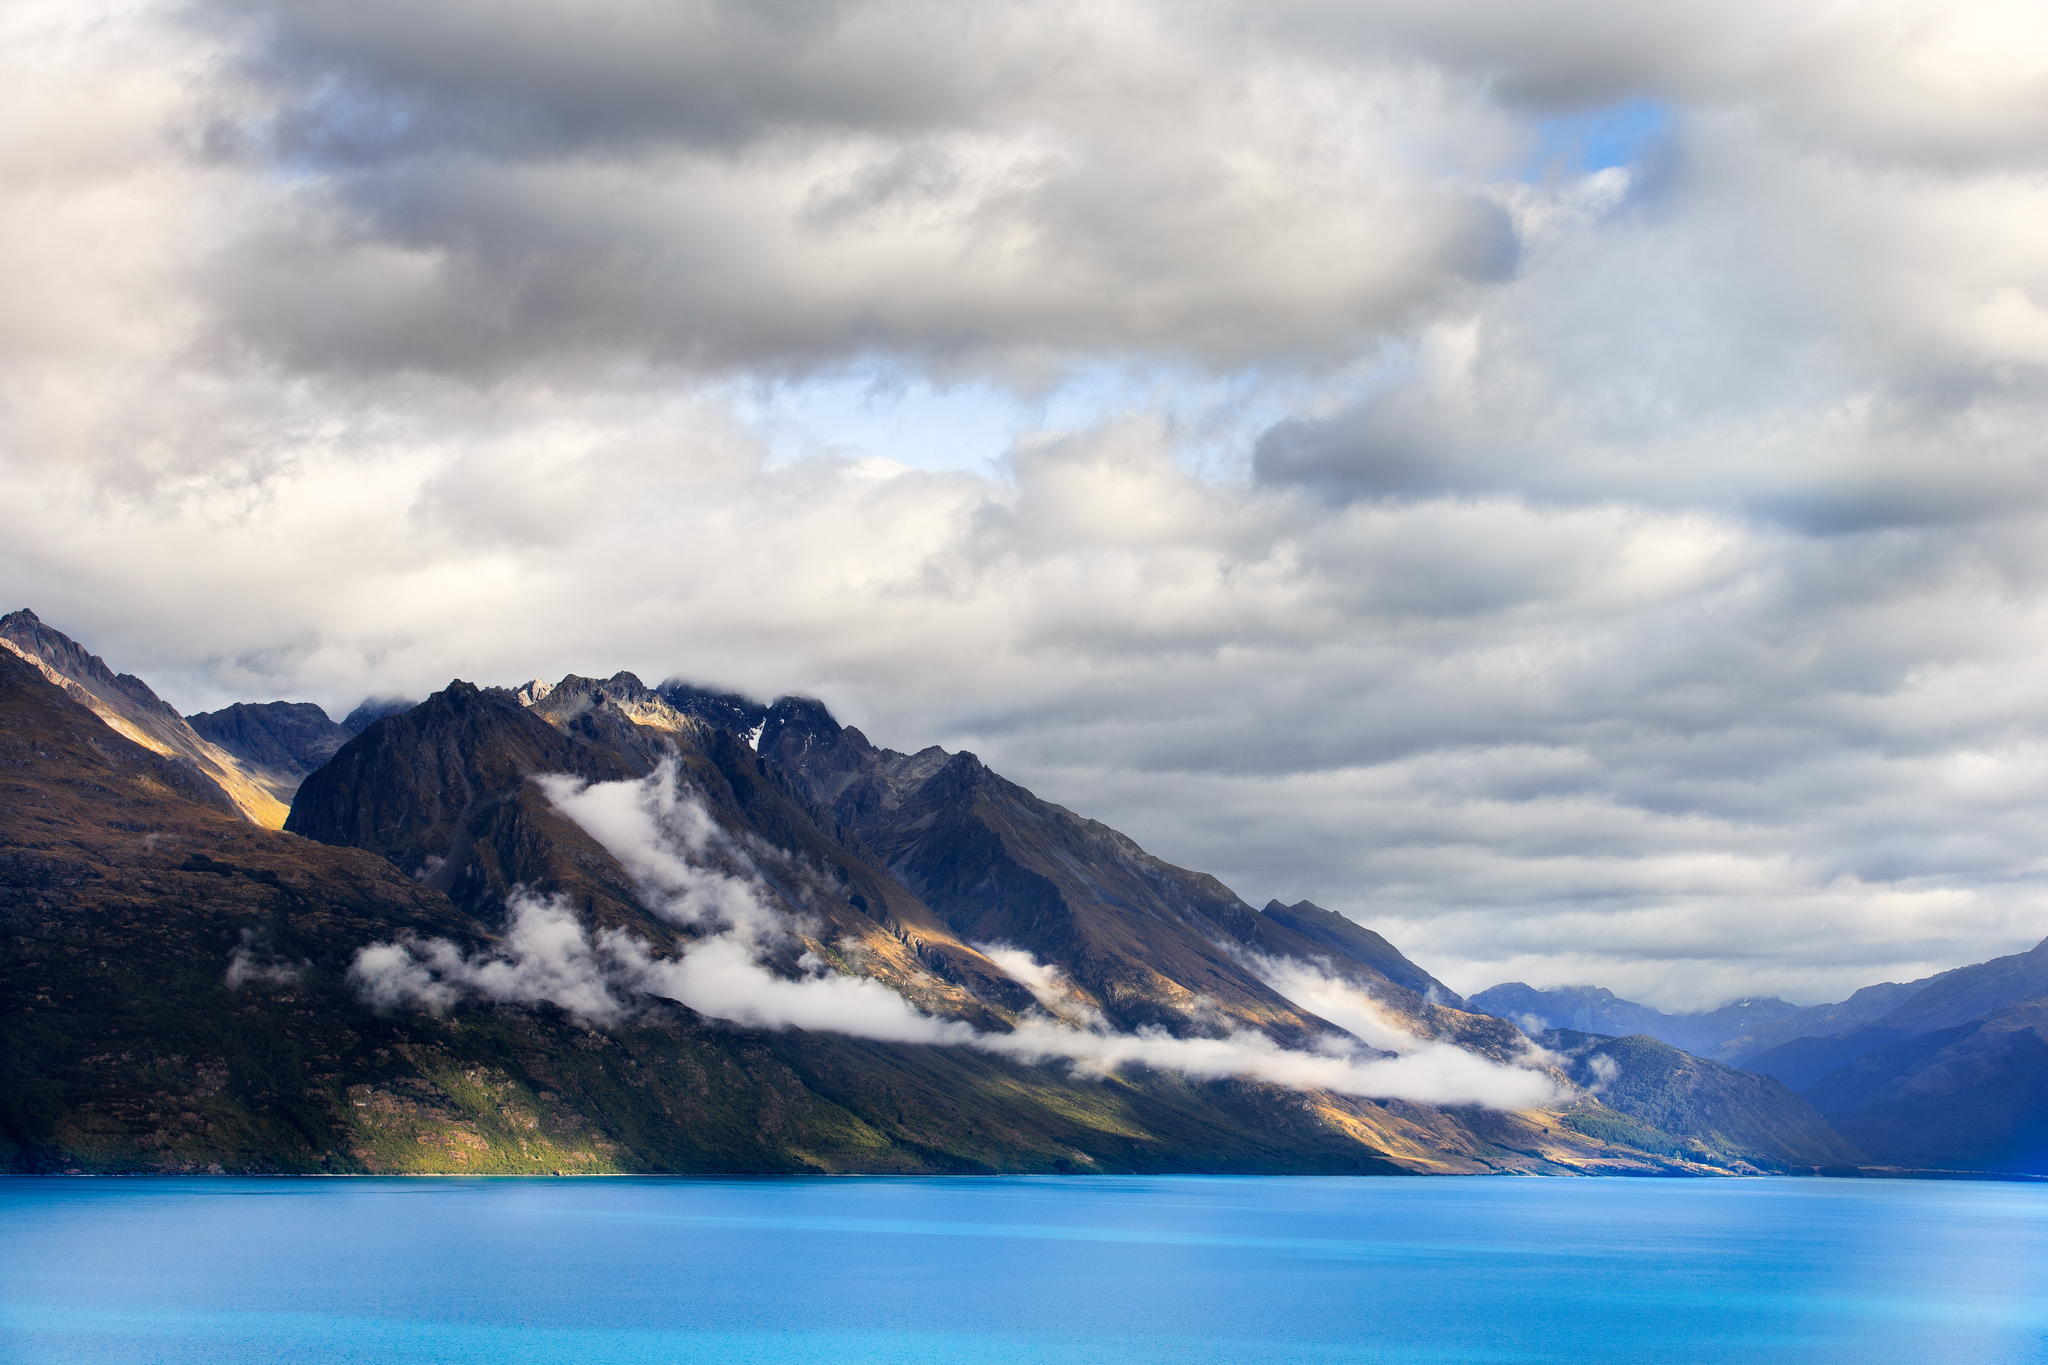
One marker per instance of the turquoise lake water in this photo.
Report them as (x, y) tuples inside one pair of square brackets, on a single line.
[(1019, 1270)]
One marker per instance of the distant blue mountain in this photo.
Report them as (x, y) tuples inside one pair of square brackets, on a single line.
[(1595, 1009)]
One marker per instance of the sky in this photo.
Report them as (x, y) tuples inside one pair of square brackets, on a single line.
[(1566, 486)]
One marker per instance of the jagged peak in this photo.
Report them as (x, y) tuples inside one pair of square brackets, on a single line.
[(370, 710), (733, 711), (808, 712), (532, 691), (622, 694), (621, 683), (38, 639), (460, 695), (130, 707), (243, 708)]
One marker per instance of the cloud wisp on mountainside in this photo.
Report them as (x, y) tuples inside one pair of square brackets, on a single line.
[(668, 842)]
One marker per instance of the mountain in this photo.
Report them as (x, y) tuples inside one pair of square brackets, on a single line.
[(282, 740), (373, 709), (1308, 923), (1949, 1071), (1146, 942), (1972, 1096), (1861, 1009), (1594, 1009), (176, 997), (822, 956), (1893, 1010), (127, 705), (1649, 1082)]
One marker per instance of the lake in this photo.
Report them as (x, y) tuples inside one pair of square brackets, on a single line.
[(1018, 1270)]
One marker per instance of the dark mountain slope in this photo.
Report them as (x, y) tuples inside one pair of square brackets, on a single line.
[(1151, 944), (1950, 1071), (446, 790), (283, 740), (1284, 929), (1719, 1106), (443, 792), (1893, 1010), (124, 903), (1594, 1009), (127, 705), (1972, 1096), (1965, 994)]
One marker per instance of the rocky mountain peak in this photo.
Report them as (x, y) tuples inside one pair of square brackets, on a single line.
[(728, 710), (373, 709), (804, 715), (129, 707), (283, 739), (623, 695)]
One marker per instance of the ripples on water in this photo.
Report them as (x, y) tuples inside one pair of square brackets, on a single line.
[(1018, 1270)]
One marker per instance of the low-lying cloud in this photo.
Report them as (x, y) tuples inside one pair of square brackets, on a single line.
[(546, 957), (255, 963), (668, 842)]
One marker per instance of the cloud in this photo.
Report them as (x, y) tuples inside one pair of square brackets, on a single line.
[(1445, 1076), (1049, 986), (545, 958), (664, 837), (1632, 575), (255, 963), (1425, 1070), (707, 188)]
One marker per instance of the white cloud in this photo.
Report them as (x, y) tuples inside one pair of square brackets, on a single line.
[(254, 963), (663, 836), (1647, 587), (1049, 986), (545, 958)]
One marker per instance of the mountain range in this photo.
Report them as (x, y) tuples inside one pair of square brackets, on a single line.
[(1595, 1009), (1947, 1072), (595, 925)]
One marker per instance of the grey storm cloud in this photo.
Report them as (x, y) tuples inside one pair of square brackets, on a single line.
[(1620, 573), (713, 185)]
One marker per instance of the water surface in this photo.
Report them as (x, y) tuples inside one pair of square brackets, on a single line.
[(1020, 1270)]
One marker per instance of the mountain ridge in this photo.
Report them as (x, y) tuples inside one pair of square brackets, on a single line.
[(128, 705), (993, 924), (1595, 1009)]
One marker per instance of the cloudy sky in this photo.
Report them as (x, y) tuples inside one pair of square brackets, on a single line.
[(1565, 484)]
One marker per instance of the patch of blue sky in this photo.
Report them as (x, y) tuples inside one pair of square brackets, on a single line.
[(883, 410), (1595, 139)]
